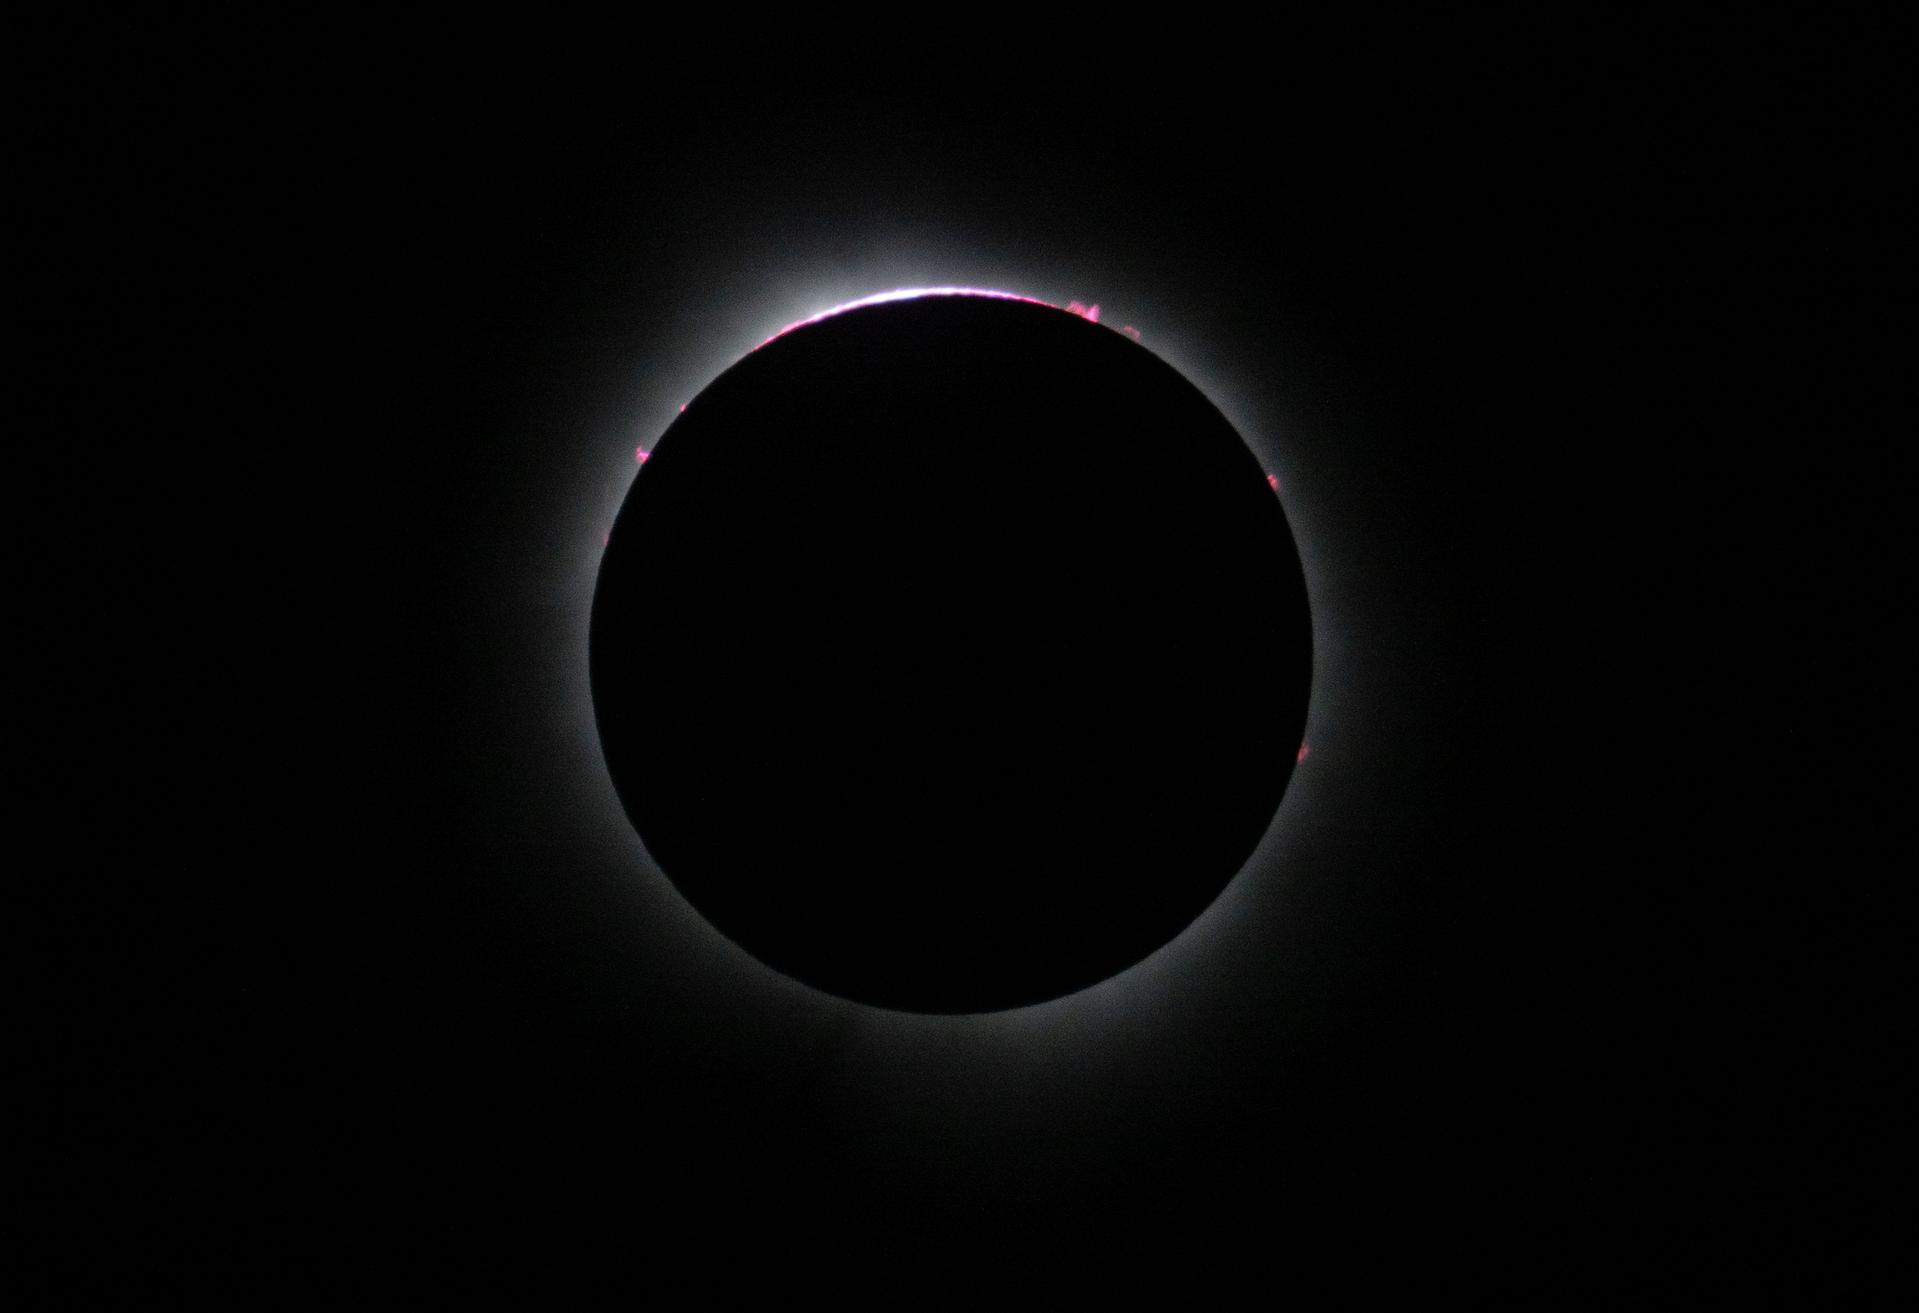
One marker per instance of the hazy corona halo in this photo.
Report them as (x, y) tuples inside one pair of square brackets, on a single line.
[(950, 652)]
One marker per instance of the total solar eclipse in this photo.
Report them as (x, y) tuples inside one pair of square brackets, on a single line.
[(950, 653)]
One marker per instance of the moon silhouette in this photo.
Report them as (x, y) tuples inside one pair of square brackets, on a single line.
[(950, 653)]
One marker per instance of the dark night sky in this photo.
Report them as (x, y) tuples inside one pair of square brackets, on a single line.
[(1561, 363)]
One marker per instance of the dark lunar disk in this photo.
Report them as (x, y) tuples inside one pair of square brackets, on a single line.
[(951, 654)]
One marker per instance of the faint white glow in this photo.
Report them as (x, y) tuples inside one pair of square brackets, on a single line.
[(912, 294)]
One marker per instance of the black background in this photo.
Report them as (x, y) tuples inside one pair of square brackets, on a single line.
[(1571, 349)]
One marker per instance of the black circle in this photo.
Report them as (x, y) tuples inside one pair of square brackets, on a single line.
[(951, 654)]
